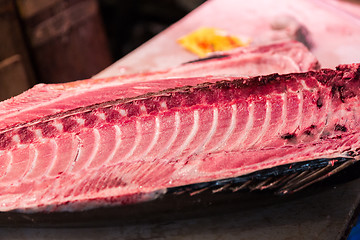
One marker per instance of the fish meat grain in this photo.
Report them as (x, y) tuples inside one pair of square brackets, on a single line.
[(134, 148), (71, 151), (46, 99)]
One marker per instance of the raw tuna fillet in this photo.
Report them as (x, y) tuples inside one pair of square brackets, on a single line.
[(54, 98), (134, 148)]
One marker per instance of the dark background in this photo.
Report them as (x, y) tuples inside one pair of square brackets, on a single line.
[(57, 41), (130, 23)]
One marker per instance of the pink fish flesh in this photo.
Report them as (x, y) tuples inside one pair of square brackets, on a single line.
[(132, 149), (46, 99)]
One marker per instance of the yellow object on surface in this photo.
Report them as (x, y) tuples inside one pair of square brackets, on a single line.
[(207, 40)]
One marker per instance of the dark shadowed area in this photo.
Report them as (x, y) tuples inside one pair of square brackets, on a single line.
[(56, 41)]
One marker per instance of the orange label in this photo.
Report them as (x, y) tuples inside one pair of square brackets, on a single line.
[(207, 40)]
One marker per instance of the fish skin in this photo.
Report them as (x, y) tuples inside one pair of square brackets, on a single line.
[(139, 167)]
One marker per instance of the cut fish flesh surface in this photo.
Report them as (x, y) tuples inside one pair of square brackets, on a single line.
[(46, 99), (133, 148)]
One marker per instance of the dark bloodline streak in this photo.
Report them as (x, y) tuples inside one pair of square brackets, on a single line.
[(217, 56)]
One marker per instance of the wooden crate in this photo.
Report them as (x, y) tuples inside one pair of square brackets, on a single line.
[(16, 74), (66, 38)]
